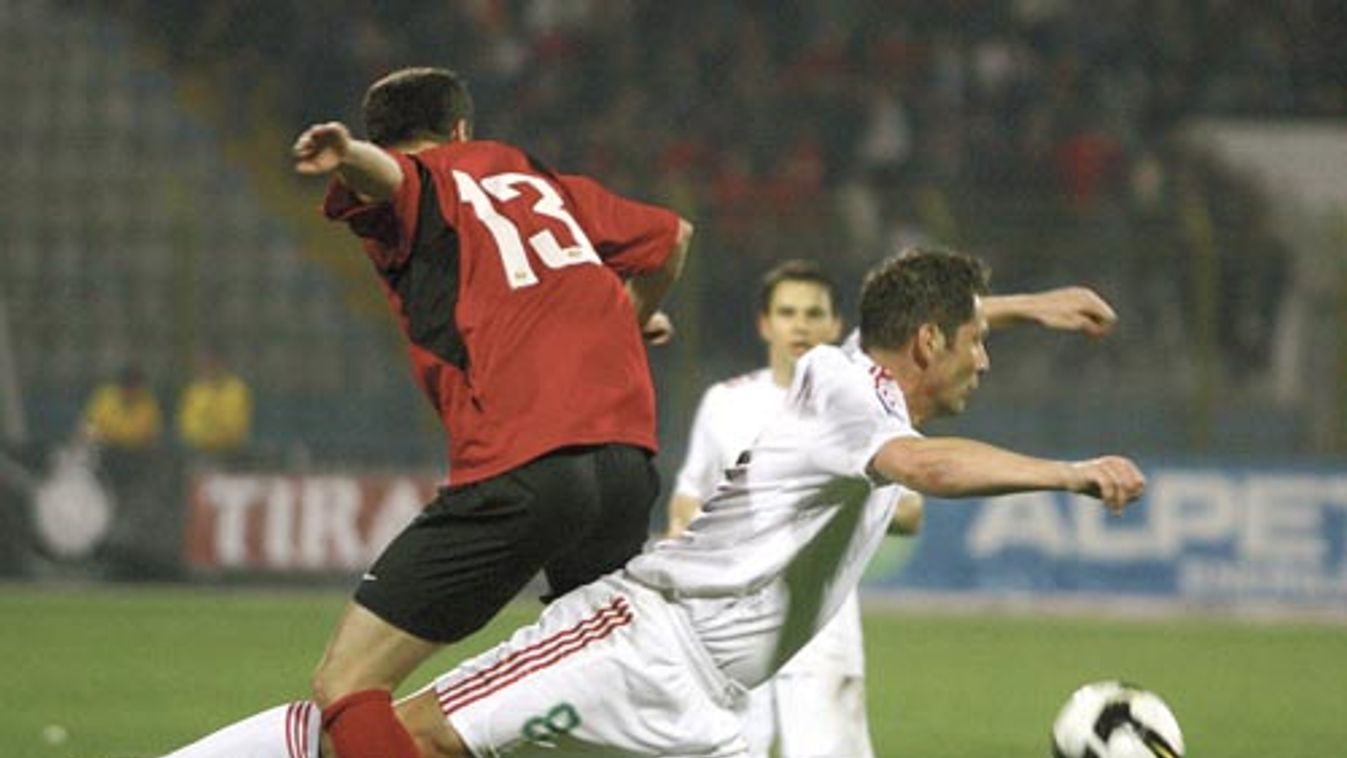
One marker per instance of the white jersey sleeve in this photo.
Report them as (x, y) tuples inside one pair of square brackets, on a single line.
[(702, 466), (830, 389), (729, 417)]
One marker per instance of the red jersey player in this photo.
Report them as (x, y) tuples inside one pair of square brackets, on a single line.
[(523, 293)]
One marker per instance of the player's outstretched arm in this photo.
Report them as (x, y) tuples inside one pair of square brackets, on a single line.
[(1073, 309), (958, 467), (647, 290), (361, 165)]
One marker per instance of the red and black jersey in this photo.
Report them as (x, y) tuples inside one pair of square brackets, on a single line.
[(508, 281)]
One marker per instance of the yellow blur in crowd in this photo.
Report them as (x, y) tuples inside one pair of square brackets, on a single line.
[(124, 414), (214, 412)]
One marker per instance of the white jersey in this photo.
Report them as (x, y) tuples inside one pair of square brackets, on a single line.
[(729, 418), (785, 537), (731, 415)]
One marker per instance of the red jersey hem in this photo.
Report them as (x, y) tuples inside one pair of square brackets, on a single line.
[(458, 478)]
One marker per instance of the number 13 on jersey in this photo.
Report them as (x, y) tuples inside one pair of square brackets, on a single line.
[(504, 188)]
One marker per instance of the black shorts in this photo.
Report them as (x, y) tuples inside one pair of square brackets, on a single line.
[(575, 514)]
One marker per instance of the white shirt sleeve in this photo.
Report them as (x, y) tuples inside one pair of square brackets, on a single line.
[(863, 411), (702, 467)]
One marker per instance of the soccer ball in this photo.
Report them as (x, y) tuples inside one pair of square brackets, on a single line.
[(1116, 720)]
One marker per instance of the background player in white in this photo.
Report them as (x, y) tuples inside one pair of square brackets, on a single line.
[(815, 706)]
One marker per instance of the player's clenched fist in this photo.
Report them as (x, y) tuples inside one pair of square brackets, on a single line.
[(659, 329), (1113, 479), (321, 148)]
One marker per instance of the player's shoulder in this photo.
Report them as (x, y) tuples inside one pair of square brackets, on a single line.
[(749, 382), (748, 378), (827, 372), (740, 394), (857, 381), (829, 360), (475, 156)]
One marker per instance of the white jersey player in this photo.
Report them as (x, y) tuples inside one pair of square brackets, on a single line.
[(815, 706), (655, 659)]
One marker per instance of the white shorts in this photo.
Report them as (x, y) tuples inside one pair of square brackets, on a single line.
[(815, 706), (611, 668), (811, 715)]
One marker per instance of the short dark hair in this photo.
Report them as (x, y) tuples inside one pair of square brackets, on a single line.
[(415, 102), (918, 286), (795, 270)]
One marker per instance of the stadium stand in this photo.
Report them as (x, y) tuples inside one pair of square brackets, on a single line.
[(1041, 134), (136, 233)]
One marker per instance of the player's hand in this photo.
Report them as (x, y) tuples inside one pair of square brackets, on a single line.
[(659, 329), (1113, 479), (908, 514), (1075, 309), (321, 148)]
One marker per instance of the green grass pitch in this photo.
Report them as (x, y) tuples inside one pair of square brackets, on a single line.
[(135, 672)]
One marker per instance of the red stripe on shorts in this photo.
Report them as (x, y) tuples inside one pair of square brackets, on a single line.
[(297, 729), (291, 714), (305, 713), (536, 657)]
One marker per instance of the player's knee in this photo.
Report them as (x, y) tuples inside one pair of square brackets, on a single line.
[(324, 688), (331, 683)]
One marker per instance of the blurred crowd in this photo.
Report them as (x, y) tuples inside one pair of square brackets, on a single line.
[(1046, 135), (1026, 130)]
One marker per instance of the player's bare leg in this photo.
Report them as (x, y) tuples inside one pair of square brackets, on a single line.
[(366, 659)]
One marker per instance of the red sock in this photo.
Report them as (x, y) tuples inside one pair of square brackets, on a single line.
[(363, 725)]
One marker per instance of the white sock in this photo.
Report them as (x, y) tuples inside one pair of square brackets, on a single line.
[(286, 731)]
